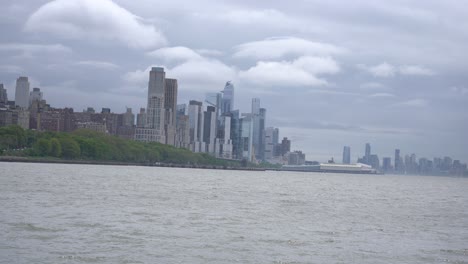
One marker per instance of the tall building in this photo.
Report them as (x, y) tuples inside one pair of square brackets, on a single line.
[(246, 135), (398, 162), (387, 164), (182, 127), (368, 153), (153, 130), (209, 129), (22, 92), (227, 104), (215, 100), (223, 144), (285, 146), (258, 117), (141, 118), (170, 107), (236, 134), (346, 155), (195, 113), (128, 118), (35, 95), (271, 136), (3, 95)]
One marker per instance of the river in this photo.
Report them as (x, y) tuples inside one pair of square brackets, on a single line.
[(57, 213)]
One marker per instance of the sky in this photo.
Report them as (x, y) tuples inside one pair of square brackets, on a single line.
[(330, 73)]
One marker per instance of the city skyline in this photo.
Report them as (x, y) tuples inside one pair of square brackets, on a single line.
[(309, 78)]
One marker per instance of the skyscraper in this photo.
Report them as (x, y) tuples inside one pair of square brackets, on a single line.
[(170, 108), (209, 129), (258, 117), (346, 155), (22, 92), (246, 134), (35, 95), (195, 113), (368, 153), (271, 136), (227, 104), (397, 161), (153, 130), (3, 95), (285, 146)]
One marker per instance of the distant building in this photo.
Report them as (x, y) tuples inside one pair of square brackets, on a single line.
[(296, 158), (154, 127), (170, 106), (22, 92), (346, 155), (195, 113), (227, 104), (3, 95), (209, 129), (387, 164), (271, 136), (141, 118), (223, 144), (128, 118), (35, 95), (285, 146), (246, 137)]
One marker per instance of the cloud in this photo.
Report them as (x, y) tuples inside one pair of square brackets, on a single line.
[(276, 48), (192, 70), (373, 86), (382, 95), (388, 70), (94, 20), (300, 72), (34, 48), (382, 70), (415, 70), (414, 103), (98, 64), (11, 69), (175, 54), (209, 52), (459, 90)]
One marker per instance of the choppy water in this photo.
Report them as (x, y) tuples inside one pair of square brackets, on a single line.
[(114, 214)]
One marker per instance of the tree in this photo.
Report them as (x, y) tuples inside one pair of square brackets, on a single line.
[(42, 147), (55, 148), (70, 149)]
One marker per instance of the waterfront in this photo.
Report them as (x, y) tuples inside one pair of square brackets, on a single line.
[(59, 213)]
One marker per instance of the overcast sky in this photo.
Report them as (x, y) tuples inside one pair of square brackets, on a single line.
[(330, 73)]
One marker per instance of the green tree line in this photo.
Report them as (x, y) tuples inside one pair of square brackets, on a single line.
[(89, 145)]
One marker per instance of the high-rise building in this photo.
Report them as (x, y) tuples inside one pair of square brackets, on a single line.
[(236, 134), (35, 95), (195, 113), (387, 164), (346, 155), (153, 130), (398, 164), (170, 107), (209, 129), (223, 145), (128, 118), (227, 104), (141, 118), (215, 100), (271, 140), (246, 135), (258, 117), (368, 153), (22, 92), (3, 95), (285, 146)]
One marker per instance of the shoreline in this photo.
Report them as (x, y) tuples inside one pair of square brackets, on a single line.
[(118, 163)]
